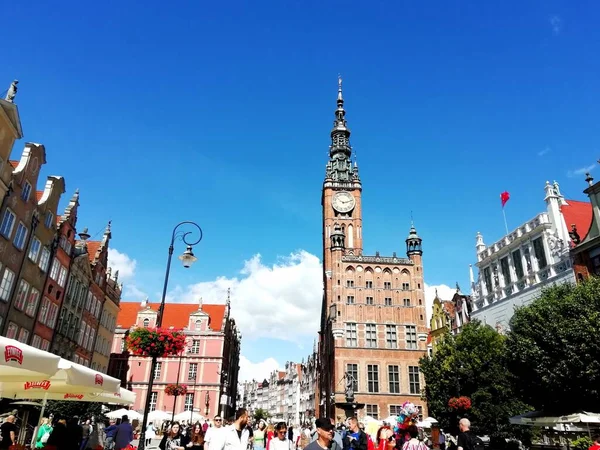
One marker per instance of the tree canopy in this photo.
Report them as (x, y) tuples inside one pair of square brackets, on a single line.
[(71, 409), (554, 348), (472, 364), (260, 414)]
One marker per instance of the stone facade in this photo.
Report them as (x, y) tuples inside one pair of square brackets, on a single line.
[(586, 240), (208, 366), (373, 325), (514, 270), (286, 395), (449, 316)]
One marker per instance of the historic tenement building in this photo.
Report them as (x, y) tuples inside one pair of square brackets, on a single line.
[(586, 241), (208, 366), (108, 321), (373, 325), (513, 270), (449, 316)]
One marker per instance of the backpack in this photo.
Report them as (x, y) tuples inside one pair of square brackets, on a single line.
[(476, 442)]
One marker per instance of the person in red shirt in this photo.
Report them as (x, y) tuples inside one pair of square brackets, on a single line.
[(596, 444)]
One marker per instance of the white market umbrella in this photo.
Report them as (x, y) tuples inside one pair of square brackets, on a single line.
[(189, 416), (158, 415), (118, 413), (121, 397), (75, 396), (20, 362)]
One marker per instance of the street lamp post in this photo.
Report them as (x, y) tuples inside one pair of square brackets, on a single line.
[(187, 259)]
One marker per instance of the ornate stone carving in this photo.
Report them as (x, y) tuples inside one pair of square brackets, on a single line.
[(377, 259), (12, 91), (557, 246)]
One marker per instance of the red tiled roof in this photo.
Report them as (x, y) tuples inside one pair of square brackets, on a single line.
[(579, 214), (93, 247), (14, 164), (176, 314), (38, 195)]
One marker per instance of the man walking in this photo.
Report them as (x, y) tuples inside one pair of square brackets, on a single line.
[(324, 435), (355, 438), (124, 434), (237, 435), (214, 439), (466, 439)]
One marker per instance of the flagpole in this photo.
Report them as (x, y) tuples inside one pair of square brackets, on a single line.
[(505, 224)]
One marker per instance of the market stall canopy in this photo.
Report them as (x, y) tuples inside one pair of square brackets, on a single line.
[(130, 413), (189, 417), (20, 362), (123, 398), (158, 415), (539, 418)]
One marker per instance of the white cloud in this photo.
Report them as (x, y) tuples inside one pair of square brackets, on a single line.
[(282, 301), (256, 371), (543, 152), (132, 292), (121, 262), (444, 293), (581, 171)]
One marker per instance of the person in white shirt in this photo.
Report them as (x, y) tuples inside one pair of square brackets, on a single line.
[(237, 435), (214, 439)]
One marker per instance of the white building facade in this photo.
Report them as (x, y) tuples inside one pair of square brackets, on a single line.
[(513, 270)]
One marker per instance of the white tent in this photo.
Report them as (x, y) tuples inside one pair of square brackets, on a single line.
[(130, 413), (20, 362), (537, 418), (158, 415), (189, 416)]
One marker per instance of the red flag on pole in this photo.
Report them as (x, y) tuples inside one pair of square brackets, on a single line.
[(504, 197)]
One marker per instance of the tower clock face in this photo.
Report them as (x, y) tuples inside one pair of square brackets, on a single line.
[(343, 202)]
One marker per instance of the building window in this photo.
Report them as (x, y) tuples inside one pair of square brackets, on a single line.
[(146, 322), (350, 283), (189, 402), (26, 191), (153, 398), (48, 219), (391, 337), (157, 370), (411, 337), (388, 301), (36, 341), (413, 380), (372, 378), (406, 286), (62, 276), (518, 264), (505, 270), (12, 331), (395, 410), (8, 278), (54, 270), (195, 348), (373, 411), (34, 249), (22, 292), (387, 284), (350, 300), (487, 278), (352, 370), (20, 236), (351, 340), (8, 221), (369, 300), (198, 325), (371, 335), (540, 255), (192, 371), (44, 259), (407, 302), (394, 379), (369, 284)]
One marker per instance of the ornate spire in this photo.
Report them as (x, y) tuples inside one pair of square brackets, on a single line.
[(413, 242), (339, 167)]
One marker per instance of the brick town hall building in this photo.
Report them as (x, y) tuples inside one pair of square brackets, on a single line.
[(373, 322)]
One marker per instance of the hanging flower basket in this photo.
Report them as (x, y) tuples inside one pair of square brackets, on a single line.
[(459, 403), (155, 342), (176, 389)]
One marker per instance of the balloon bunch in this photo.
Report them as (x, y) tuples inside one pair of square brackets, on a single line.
[(407, 417)]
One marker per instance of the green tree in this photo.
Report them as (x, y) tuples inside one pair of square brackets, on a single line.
[(554, 348), (472, 364), (260, 414), (71, 409)]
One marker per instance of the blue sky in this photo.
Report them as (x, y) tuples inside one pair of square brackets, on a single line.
[(220, 113)]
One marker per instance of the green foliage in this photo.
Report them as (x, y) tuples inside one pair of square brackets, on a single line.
[(472, 364), (260, 414), (554, 349), (583, 443), (71, 409)]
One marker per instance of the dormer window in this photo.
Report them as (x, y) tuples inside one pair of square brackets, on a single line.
[(146, 322), (198, 324)]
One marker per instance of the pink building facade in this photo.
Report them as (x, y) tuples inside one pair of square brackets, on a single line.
[(208, 366)]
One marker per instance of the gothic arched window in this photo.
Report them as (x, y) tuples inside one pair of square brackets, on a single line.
[(146, 322)]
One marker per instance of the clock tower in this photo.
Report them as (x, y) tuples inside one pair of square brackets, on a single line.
[(373, 327)]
